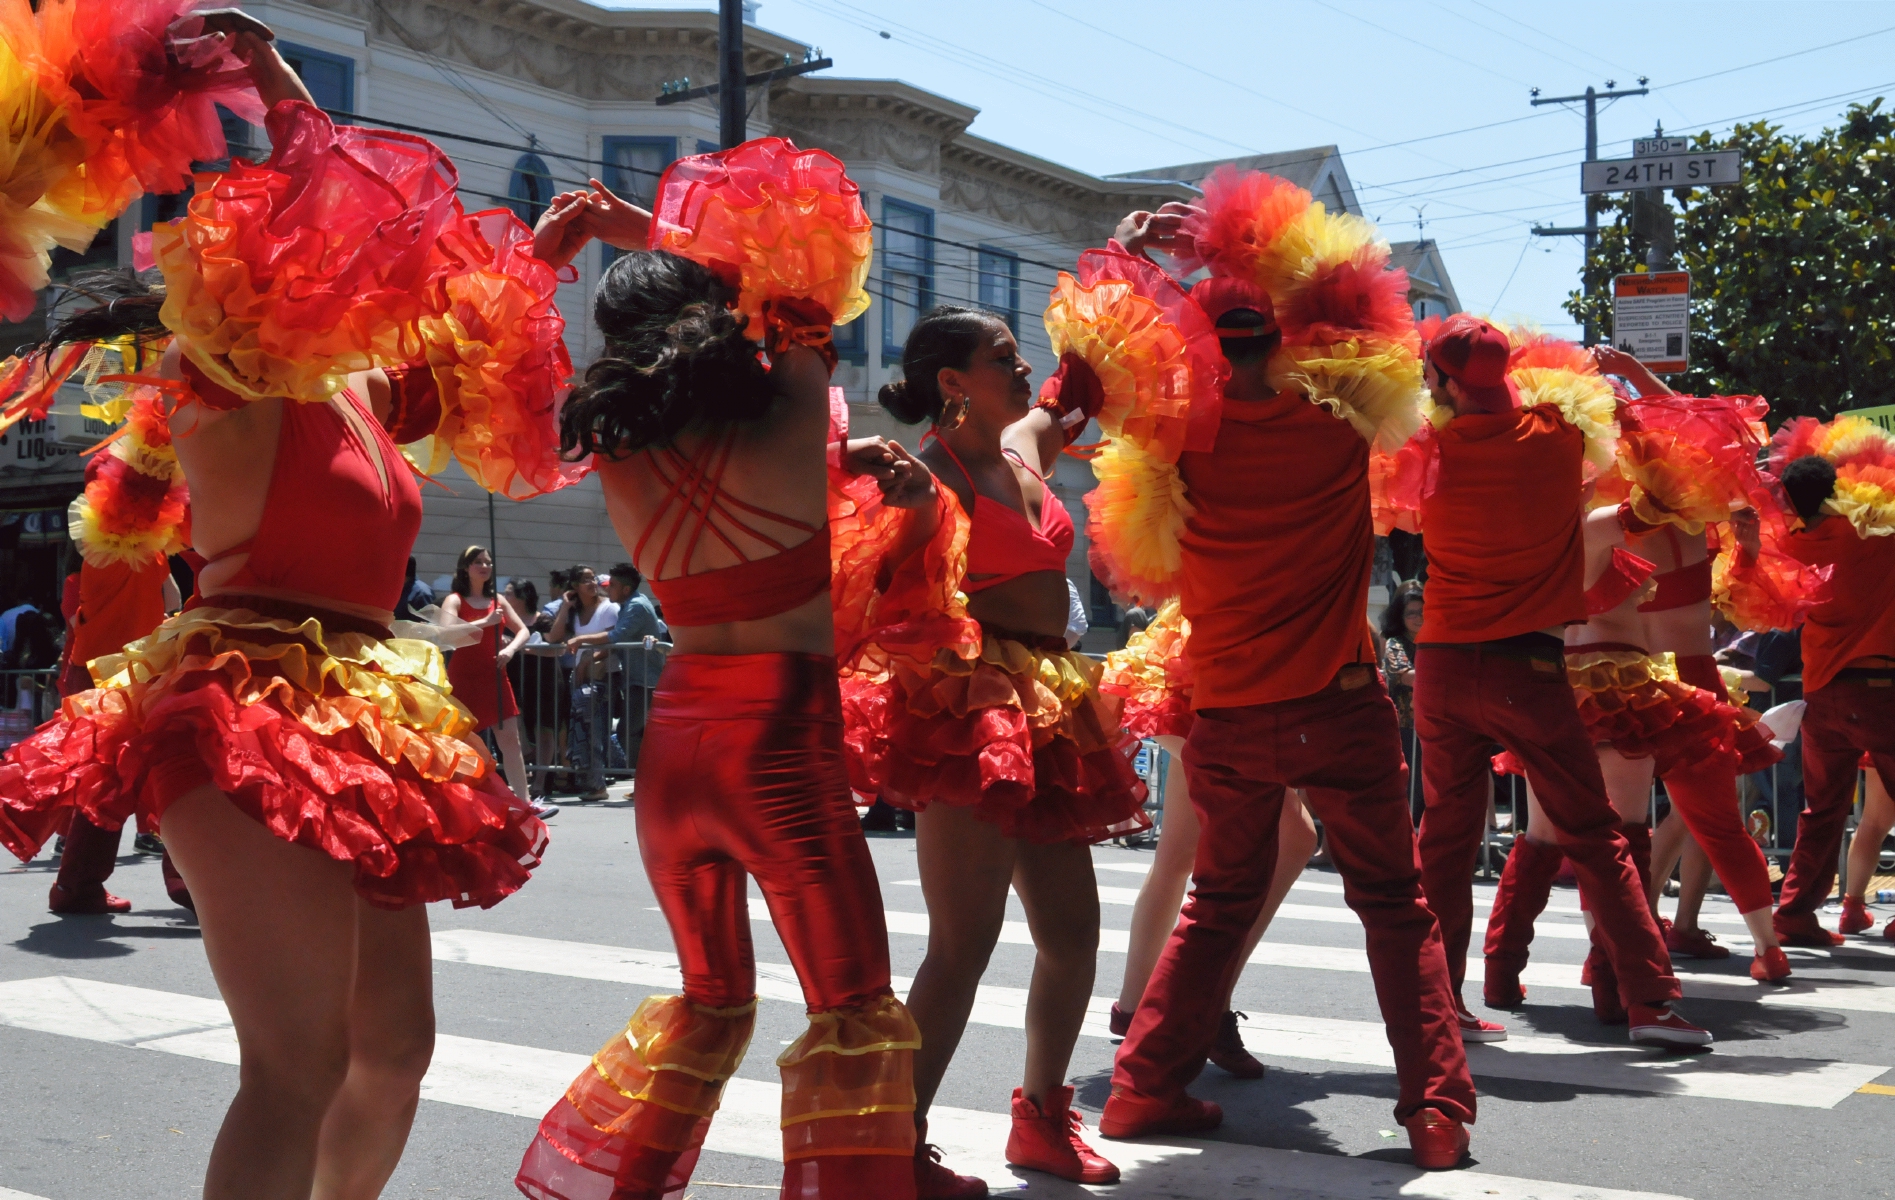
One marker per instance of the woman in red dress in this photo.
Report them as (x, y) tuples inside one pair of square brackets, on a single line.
[(478, 672)]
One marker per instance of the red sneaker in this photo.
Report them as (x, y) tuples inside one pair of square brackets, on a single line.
[(1803, 929), (1129, 1115), (1119, 1021), (1855, 916), (1693, 943), (85, 901), (933, 1181), (1661, 1025), (1473, 1029), (1888, 930), (1439, 1142), (1227, 1050), (1770, 966), (1047, 1139)]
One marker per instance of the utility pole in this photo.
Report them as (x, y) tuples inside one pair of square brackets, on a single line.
[(1590, 230), (730, 54)]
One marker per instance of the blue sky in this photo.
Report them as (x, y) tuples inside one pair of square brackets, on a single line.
[(1107, 86)]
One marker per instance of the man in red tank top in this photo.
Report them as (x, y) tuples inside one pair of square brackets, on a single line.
[(1276, 563), (1848, 681), (1506, 574)]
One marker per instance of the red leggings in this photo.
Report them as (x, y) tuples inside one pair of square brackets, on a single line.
[(1705, 795)]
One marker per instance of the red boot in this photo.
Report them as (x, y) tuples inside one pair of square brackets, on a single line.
[(1047, 1139), (847, 1176), (1855, 916), (1439, 1142), (934, 1181), (1803, 929), (1599, 975), (1119, 1021), (174, 884), (85, 900), (1770, 965), (1227, 1050), (1129, 1115), (1518, 902)]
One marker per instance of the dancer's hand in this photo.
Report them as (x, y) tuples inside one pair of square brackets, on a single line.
[(561, 232), (868, 456), (1749, 538), (616, 221), (276, 81), (909, 483), (1163, 230)]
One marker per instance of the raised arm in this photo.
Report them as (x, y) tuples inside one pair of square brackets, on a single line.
[(1612, 361)]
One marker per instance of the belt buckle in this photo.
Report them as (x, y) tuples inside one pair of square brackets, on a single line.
[(1880, 681)]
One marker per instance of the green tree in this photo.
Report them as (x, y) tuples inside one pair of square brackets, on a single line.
[(1792, 270)]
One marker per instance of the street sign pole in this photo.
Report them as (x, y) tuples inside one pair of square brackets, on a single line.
[(1590, 230), (730, 53)]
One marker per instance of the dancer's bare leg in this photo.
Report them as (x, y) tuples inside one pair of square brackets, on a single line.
[(391, 1039), (1878, 817), (1056, 887), (508, 735), (282, 926)]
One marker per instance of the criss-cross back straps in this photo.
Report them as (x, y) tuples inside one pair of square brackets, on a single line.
[(695, 496)]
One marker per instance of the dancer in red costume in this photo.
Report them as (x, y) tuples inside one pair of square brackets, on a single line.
[(1501, 509), (1273, 560), (1865, 852), (1838, 522), (1682, 462), (1025, 767), (310, 773), (1153, 677), (129, 517), (713, 467), (478, 672)]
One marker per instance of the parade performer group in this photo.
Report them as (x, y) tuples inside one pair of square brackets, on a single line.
[(849, 617)]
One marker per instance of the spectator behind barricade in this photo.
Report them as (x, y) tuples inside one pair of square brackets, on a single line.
[(1134, 621), (1778, 665), (584, 611), (525, 598), (635, 670), (558, 581), (9, 621), (34, 647), (1401, 624), (415, 596), (1077, 622)]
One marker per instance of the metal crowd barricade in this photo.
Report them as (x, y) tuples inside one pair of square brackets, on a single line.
[(28, 699), (583, 716)]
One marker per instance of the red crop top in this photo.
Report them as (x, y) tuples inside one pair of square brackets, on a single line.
[(1679, 587), (1003, 544), (341, 514), (751, 590)]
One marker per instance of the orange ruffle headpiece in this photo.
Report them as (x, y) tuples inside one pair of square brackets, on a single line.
[(778, 224), (134, 504)]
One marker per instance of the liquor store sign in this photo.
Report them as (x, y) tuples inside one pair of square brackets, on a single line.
[(1651, 319), (52, 445)]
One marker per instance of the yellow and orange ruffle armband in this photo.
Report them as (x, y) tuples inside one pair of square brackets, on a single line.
[(135, 502), (101, 100), (1152, 676), (283, 277), (778, 224), (1863, 454), (1135, 521), (1687, 461), (1349, 337), (1550, 371), (495, 355)]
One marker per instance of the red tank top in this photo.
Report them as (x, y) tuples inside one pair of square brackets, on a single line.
[(335, 523), (750, 590), (1003, 544)]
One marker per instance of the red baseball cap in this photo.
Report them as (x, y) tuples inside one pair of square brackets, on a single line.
[(1474, 354), (1237, 307)]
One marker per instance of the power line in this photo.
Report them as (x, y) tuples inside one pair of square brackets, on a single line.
[(1779, 58), (1483, 68)]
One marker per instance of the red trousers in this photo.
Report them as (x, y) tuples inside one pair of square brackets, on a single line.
[(1846, 718), (741, 773), (1466, 699), (1343, 748)]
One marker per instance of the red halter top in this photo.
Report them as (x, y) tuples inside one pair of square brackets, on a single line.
[(341, 514), (750, 590), (1680, 586), (1003, 544)]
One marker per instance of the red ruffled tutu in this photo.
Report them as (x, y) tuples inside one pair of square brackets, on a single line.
[(1020, 734), (1636, 704), (1153, 678), (336, 740)]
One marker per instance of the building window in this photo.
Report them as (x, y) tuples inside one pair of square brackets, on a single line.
[(1000, 285), (1430, 306), (636, 164), (851, 342), (330, 78), (907, 272), (704, 147), (530, 189)]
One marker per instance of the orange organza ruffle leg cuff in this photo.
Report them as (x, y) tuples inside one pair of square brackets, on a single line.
[(849, 1084), (633, 1121), (1021, 735)]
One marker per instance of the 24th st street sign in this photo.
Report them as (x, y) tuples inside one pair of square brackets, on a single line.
[(1707, 168)]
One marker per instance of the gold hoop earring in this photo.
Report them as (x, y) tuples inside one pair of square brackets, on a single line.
[(957, 406)]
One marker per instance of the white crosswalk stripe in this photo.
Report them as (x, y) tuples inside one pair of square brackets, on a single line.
[(523, 1081)]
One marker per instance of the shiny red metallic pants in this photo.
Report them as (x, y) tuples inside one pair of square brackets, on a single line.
[(1846, 718), (1342, 747), (1466, 699)]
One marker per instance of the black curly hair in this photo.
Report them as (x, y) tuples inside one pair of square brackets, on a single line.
[(1809, 481), (674, 353)]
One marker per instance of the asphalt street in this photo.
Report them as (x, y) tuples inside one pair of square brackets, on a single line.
[(116, 1060)]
